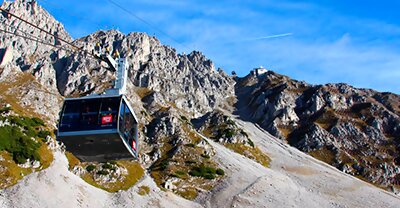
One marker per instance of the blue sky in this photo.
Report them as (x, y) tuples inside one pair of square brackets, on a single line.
[(356, 42)]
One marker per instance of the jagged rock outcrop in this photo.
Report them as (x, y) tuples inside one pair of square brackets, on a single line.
[(315, 138), (189, 81), (356, 130), (31, 55), (221, 128)]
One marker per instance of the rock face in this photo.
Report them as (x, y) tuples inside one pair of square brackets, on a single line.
[(30, 55), (189, 81), (356, 130), (221, 128)]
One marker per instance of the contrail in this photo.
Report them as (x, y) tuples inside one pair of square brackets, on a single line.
[(270, 37), (259, 38)]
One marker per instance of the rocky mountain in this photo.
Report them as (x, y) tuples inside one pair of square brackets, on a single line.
[(202, 132), (355, 130)]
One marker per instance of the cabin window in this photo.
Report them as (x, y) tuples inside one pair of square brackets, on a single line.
[(127, 125), (90, 114), (109, 112), (70, 117)]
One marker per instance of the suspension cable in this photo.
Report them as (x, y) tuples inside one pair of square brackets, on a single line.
[(39, 28), (39, 40), (146, 22)]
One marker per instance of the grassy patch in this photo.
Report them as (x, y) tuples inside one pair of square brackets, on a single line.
[(327, 120), (144, 190), (193, 137), (72, 160), (135, 172), (46, 156), (253, 153), (158, 177), (189, 193), (180, 173), (21, 138), (20, 80), (21, 141), (229, 129), (18, 144), (10, 172), (285, 130), (190, 145), (143, 92), (324, 154)]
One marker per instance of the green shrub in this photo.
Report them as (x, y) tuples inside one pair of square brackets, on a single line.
[(244, 133), (220, 172), (227, 133), (43, 134), (90, 167), (195, 173), (37, 122), (26, 122), (164, 164), (209, 176), (184, 118), (190, 145), (251, 143), (5, 110), (102, 172), (203, 171), (205, 156), (21, 146), (174, 175), (179, 172), (230, 122), (189, 162), (107, 166)]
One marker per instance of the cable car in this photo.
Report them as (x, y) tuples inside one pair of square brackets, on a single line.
[(101, 127)]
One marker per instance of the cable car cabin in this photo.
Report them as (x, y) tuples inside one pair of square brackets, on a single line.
[(99, 128)]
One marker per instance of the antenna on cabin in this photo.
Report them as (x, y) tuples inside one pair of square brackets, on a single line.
[(118, 65)]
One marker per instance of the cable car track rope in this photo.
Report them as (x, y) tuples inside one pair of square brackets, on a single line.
[(76, 49), (146, 22), (39, 28)]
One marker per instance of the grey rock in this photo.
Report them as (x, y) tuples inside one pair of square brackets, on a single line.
[(314, 139)]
